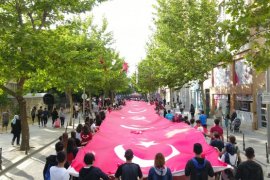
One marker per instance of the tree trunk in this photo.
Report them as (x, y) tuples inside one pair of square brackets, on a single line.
[(24, 124), (171, 98), (90, 100), (69, 93), (203, 96)]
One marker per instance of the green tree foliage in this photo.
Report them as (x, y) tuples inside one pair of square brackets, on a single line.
[(249, 23), (186, 43), (25, 43)]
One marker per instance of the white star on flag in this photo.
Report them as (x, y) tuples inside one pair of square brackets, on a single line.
[(147, 144)]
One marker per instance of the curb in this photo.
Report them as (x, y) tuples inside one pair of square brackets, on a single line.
[(4, 171)]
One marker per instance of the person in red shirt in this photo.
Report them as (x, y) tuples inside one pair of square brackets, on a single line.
[(217, 129), (86, 135)]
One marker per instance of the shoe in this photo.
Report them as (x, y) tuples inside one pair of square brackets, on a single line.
[(12, 143)]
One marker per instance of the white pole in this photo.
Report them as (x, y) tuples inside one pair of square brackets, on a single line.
[(268, 108), (83, 102)]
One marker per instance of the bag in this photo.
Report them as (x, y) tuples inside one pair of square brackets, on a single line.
[(47, 174), (199, 167), (57, 123), (230, 172)]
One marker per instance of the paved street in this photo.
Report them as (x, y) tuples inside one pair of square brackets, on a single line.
[(32, 167)]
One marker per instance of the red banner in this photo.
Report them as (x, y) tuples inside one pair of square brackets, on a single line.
[(139, 128)]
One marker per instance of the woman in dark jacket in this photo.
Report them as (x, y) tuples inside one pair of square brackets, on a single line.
[(16, 129), (159, 171), (54, 116)]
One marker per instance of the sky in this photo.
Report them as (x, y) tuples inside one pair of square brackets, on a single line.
[(130, 22)]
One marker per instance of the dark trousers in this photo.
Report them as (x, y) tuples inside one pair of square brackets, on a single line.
[(45, 120), (33, 118), (16, 135), (40, 120), (62, 121), (53, 120)]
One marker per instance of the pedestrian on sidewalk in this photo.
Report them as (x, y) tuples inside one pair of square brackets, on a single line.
[(5, 120), (54, 116), (62, 116), (219, 115), (159, 170), (16, 129), (33, 114), (45, 116), (192, 111), (39, 116), (90, 171), (198, 167), (249, 169)]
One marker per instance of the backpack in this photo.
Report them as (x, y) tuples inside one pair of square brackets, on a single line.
[(199, 167), (47, 174), (230, 172)]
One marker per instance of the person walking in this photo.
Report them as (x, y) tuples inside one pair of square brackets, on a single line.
[(192, 111), (62, 116), (39, 115), (129, 170), (203, 118), (217, 129), (249, 169), (198, 167), (169, 115), (59, 172), (45, 116), (51, 160), (159, 171), (33, 114), (16, 129), (54, 116), (5, 120), (219, 115), (90, 171)]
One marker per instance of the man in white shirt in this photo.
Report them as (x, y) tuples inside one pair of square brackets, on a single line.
[(59, 172)]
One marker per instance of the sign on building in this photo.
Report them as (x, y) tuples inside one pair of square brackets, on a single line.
[(266, 98)]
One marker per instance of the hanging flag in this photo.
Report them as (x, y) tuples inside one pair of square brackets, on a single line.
[(125, 67)]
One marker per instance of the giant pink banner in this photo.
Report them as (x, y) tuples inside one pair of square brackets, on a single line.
[(139, 128)]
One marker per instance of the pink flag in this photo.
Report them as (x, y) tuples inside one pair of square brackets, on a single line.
[(125, 67), (139, 128)]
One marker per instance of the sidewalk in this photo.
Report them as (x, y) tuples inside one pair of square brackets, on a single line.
[(255, 139), (40, 138)]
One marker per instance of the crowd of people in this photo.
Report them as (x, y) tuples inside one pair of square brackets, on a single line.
[(228, 152), (196, 168)]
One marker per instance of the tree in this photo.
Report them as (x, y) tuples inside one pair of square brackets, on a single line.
[(250, 23), (24, 35), (185, 43)]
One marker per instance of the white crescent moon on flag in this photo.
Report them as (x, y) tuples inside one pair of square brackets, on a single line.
[(131, 112), (120, 151), (135, 128)]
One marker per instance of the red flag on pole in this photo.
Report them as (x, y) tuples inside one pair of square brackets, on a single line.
[(125, 67)]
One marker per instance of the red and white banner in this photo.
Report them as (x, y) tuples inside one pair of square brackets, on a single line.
[(139, 128)]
